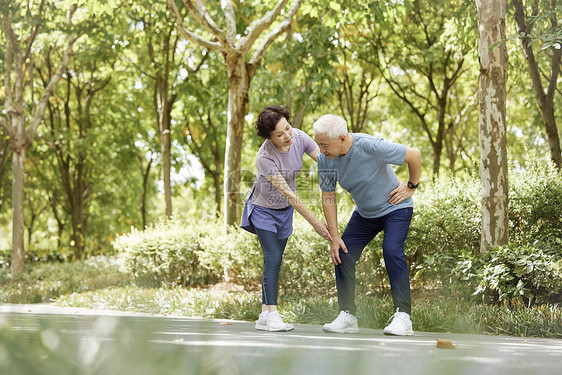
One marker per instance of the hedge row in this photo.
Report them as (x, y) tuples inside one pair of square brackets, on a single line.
[(443, 246)]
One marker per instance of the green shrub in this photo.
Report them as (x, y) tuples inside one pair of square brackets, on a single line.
[(505, 274), (177, 253), (445, 231), (236, 256), (535, 203), (166, 253), (307, 268), (529, 268), (43, 282), (38, 255), (446, 222)]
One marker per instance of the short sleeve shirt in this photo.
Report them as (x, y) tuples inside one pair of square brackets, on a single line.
[(366, 173), (270, 161)]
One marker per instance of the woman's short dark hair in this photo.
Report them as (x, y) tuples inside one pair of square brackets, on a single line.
[(268, 119)]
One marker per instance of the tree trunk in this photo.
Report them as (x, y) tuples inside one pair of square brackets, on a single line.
[(441, 130), (545, 101), (82, 186), (437, 151), (238, 99), (3, 163), (14, 123), (163, 110), (18, 182), (77, 237), (240, 73), (166, 170), (298, 117), (217, 183), (552, 136), (60, 223), (145, 174), (493, 144)]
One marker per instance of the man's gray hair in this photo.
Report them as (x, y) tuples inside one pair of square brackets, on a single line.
[(331, 125)]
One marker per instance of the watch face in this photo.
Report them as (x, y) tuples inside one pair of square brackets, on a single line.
[(411, 185)]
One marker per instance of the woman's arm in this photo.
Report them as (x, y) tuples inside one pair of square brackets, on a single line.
[(314, 155), (319, 226)]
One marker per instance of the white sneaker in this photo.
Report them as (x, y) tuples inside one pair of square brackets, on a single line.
[(276, 324), (401, 325), (344, 323), (261, 324)]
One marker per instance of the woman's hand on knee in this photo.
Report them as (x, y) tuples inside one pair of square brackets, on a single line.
[(322, 229)]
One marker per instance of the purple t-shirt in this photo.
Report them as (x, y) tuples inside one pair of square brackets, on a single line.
[(270, 162)]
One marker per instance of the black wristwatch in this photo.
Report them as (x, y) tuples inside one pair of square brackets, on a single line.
[(412, 186)]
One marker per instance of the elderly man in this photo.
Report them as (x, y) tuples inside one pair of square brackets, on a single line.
[(362, 165)]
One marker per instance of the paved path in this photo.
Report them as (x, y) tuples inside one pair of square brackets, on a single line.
[(105, 342)]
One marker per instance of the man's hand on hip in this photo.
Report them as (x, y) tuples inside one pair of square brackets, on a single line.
[(400, 194)]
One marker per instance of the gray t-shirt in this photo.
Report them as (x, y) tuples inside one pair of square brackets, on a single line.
[(365, 172), (270, 162)]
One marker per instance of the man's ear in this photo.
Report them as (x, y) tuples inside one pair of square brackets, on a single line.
[(342, 137)]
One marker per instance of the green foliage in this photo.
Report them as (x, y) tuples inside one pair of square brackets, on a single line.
[(446, 222), (97, 283), (165, 253), (443, 242), (44, 282), (445, 234), (426, 55), (235, 257), (38, 255), (529, 268), (177, 253), (306, 267), (299, 71), (515, 272), (544, 30), (431, 313), (518, 320), (535, 199)]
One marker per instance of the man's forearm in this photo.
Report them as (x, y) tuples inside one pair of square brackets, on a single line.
[(413, 159)]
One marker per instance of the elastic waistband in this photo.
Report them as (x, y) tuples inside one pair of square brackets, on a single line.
[(280, 209)]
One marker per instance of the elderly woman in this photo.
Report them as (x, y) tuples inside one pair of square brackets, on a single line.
[(269, 208)]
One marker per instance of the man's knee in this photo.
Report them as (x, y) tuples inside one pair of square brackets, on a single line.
[(347, 260), (393, 250)]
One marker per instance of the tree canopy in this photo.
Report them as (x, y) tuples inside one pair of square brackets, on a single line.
[(128, 112)]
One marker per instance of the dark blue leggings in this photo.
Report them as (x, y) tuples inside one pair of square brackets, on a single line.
[(273, 249), (358, 233)]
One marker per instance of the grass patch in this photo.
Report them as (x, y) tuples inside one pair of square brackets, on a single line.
[(43, 282), (177, 301), (445, 315), (97, 283)]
